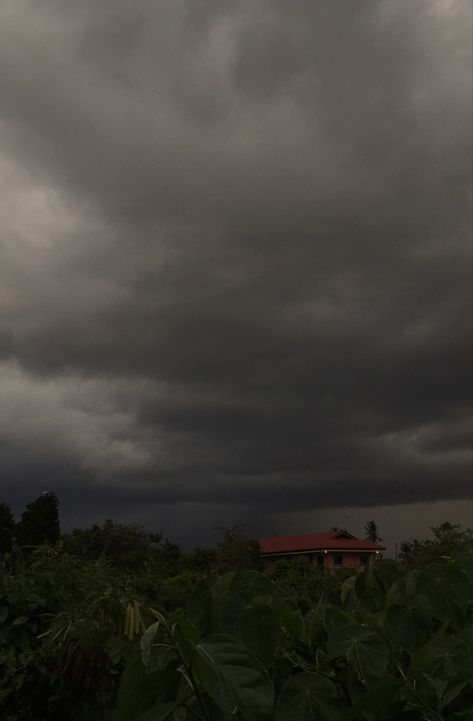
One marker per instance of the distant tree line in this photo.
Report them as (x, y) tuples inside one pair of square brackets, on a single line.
[(130, 546)]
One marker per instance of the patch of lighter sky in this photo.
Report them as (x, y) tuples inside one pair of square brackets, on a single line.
[(40, 413)]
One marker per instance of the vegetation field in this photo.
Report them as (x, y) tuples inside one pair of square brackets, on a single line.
[(113, 624)]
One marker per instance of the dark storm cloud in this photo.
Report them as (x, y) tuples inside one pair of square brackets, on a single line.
[(235, 253)]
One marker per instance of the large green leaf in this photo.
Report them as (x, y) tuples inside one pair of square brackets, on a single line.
[(140, 691), (220, 585), (199, 607), (369, 587), (397, 592), (245, 588), (347, 593), (388, 572), (334, 618), (185, 636), (446, 587), (314, 626), (230, 613), (292, 622), (409, 622), (155, 652), (379, 699), (362, 648), (445, 657), (466, 635), (455, 686), (259, 630), (463, 556), (163, 712), (148, 639), (234, 678), (309, 697)]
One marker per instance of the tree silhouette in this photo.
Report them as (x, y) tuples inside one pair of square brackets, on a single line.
[(7, 528), (371, 532), (40, 521), (234, 552)]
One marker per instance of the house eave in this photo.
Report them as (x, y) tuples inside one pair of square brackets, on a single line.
[(313, 552)]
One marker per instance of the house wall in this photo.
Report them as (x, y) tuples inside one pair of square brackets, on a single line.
[(350, 560)]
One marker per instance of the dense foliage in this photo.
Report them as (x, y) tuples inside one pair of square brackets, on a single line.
[(445, 538), (113, 622), (71, 609), (61, 641), (399, 648)]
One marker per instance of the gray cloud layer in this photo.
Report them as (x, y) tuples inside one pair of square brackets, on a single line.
[(235, 254)]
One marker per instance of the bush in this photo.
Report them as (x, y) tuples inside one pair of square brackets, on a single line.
[(61, 633)]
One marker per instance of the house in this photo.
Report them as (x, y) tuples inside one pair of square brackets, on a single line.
[(331, 549)]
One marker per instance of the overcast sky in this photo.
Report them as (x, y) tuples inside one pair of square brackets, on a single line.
[(236, 262)]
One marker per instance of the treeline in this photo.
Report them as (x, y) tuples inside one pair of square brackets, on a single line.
[(127, 547), (131, 547)]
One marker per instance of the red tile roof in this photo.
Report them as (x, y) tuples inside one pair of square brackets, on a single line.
[(327, 540)]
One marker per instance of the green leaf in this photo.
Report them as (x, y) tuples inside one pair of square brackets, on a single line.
[(230, 613), (463, 557), (220, 585), (185, 636), (446, 587), (444, 658), (292, 621), (234, 678), (308, 697), (314, 627), (147, 641), (455, 686), (409, 622), (467, 635), (361, 647), (259, 630), (140, 691), (163, 712), (334, 618), (387, 572), (20, 621), (372, 600), (347, 593), (377, 700), (397, 592), (465, 715), (199, 607)]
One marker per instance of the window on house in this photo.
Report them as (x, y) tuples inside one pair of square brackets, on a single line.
[(364, 559), (338, 560), (320, 560)]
